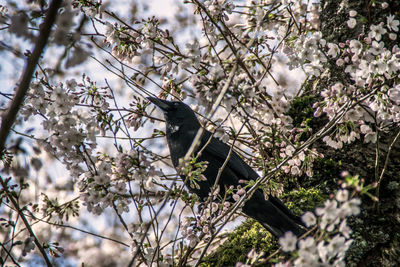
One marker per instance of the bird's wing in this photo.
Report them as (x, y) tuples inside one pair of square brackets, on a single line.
[(221, 150), (237, 169)]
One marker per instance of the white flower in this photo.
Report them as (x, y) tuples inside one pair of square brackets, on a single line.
[(90, 11), (111, 34), (336, 245), (311, 44), (149, 183), (352, 115), (319, 57), (322, 251), (333, 50), (392, 36), (150, 30), (122, 206), (339, 62), (392, 66), (352, 13), (354, 205), (377, 48), (109, 29), (71, 84), (101, 179), (376, 32), (345, 229), (318, 38), (342, 195), (221, 134), (351, 23), (295, 170), (356, 46), (377, 66), (120, 187), (351, 207), (307, 54), (353, 136), (392, 24), (370, 135), (103, 167), (394, 94), (307, 244), (288, 242), (350, 69), (192, 48), (289, 150), (309, 218), (329, 209)]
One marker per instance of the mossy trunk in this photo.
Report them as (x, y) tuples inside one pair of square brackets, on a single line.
[(376, 231)]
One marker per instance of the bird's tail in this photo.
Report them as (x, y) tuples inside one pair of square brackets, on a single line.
[(278, 203), (273, 215), (280, 231)]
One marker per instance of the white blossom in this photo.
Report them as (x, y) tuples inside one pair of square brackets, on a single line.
[(392, 24), (333, 50), (376, 32), (309, 219), (356, 46), (351, 23), (342, 195), (352, 13), (288, 242)]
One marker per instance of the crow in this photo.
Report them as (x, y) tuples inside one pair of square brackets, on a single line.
[(182, 126)]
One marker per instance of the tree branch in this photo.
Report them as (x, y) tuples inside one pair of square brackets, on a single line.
[(11, 115), (30, 67)]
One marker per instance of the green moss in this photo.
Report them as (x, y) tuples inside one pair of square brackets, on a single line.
[(245, 237), (302, 113), (301, 109), (251, 234), (302, 200)]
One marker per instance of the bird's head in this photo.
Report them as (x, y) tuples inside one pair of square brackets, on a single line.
[(177, 114)]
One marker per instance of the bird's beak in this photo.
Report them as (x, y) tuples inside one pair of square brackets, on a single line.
[(162, 104)]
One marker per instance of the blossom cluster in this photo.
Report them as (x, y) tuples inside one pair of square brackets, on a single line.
[(72, 138), (210, 215), (106, 186), (373, 66), (218, 7), (69, 127), (332, 238)]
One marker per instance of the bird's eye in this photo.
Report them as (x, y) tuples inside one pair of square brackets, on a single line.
[(176, 104)]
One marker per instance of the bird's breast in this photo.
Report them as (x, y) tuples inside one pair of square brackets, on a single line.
[(179, 143)]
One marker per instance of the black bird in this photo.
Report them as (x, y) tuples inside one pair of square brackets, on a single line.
[(181, 129)]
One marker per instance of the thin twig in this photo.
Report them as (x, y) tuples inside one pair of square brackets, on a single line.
[(386, 163)]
